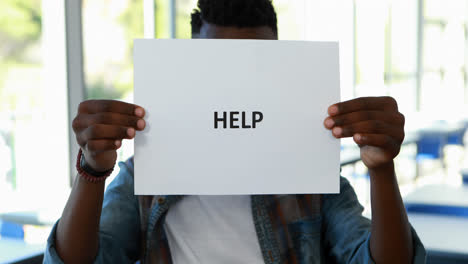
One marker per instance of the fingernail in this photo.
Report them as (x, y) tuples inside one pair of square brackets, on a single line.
[(329, 122), (117, 143), (139, 112), (130, 132), (333, 110), (337, 131), (141, 124)]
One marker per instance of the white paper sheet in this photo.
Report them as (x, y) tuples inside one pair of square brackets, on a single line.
[(182, 83)]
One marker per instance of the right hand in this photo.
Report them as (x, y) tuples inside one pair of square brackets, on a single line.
[(101, 125)]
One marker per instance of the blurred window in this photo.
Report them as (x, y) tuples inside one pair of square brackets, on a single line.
[(444, 55), (370, 36), (401, 42), (183, 10), (386, 50), (109, 28), (33, 105)]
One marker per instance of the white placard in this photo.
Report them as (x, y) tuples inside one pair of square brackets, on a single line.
[(283, 88)]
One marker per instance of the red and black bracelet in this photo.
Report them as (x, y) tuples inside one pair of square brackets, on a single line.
[(88, 173)]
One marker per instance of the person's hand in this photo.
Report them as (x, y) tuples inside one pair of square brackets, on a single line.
[(101, 125), (375, 125)]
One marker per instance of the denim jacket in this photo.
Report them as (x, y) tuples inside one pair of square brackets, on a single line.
[(302, 229)]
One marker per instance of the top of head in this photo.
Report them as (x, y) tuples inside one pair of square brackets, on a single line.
[(234, 19)]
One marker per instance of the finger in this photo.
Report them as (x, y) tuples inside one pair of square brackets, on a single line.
[(355, 117), (368, 127), (376, 140), (80, 140), (108, 118), (98, 106), (99, 145), (85, 120), (100, 131), (77, 123), (363, 103)]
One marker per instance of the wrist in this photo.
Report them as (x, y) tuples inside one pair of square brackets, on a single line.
[(87, 172), (383, 179), (84, 164), (388, 166), (385, 170)]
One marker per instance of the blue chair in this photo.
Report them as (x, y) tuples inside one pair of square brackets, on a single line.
[(435, 209), (11, 230), (464, 174), (431, 145), (456, 138)]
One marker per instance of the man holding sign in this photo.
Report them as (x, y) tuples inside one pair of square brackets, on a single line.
[(120, 227)]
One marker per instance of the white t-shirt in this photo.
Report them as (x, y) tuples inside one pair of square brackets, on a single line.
[(212, 229)]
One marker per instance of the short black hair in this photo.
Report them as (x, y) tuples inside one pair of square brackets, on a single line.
[(236, 13)]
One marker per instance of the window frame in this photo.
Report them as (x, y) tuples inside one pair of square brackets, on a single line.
[(75, 73)]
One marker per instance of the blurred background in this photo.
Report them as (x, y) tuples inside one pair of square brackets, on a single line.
[(54, 54)]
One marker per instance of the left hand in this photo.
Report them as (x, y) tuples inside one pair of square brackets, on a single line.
[(375, 125)]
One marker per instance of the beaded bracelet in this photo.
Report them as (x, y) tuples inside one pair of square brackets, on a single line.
[(90, 177)]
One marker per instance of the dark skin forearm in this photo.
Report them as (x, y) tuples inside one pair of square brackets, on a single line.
[(391, 240), (377, 127), (77, 234), (99, 126)]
